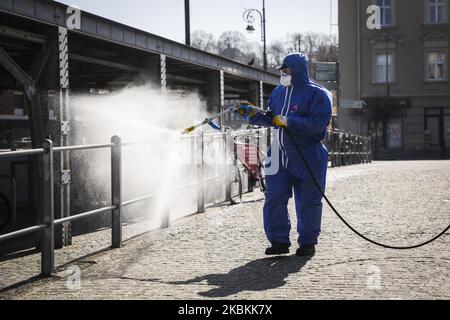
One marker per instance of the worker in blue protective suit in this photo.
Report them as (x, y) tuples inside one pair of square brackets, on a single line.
[(304, 108)]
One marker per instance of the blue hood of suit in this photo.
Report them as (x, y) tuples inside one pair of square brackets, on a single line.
[(298, 63)]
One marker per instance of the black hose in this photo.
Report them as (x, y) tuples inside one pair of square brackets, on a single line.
[(316, 182)]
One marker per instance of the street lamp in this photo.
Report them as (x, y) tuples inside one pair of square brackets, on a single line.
[(249, 18)]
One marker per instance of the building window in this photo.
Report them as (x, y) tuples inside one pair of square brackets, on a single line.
[(436, 65), (437, 11), (386, 12), (384, 68)]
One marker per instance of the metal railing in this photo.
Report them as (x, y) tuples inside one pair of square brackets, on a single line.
[(47, 220), (348, 149)]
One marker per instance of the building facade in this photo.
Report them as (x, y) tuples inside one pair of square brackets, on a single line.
[(394, 77)]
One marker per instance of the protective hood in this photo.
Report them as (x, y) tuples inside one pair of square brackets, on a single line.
[(298, 63)]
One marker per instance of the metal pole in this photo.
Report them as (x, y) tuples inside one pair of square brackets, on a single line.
[(165, 218), (248, 159), (14, 202), (264, 35), (200, 175), (47, 211), (187, 16), (116, 191), (228, 150), (333, 148)]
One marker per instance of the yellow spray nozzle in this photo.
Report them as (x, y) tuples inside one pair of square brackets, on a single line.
[(189, 130)]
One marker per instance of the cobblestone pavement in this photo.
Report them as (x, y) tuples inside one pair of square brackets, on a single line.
[(219, 254)]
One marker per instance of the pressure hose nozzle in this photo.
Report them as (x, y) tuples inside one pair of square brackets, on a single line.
[(246, 107), (188, 130)]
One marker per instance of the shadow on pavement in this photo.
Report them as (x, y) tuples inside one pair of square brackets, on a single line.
[(258, 275)]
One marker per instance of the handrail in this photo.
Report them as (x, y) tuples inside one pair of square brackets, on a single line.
[(12, 154), (83, 147), (21, 232), (83, 215)]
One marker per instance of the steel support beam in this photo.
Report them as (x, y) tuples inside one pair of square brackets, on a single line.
[(22, 35), (17, 72), (104, 63), (230, 88), (40, 60), (172, 77)]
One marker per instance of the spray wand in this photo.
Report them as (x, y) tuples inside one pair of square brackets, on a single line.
[(246, 107)]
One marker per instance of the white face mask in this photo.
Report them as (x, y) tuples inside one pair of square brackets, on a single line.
[(286, 80)]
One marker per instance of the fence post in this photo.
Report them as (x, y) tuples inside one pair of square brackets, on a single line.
[(366, 145), (228, 150), (116, 192), (247, 157), (14, 202), (333, 148), (361, 141), (200, 175), (165, 218), (47, 211), (352, 149), (336, 150)]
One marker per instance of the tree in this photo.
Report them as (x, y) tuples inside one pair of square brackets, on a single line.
[(276, 53), (204, 41), (231, 39), (234, 45)]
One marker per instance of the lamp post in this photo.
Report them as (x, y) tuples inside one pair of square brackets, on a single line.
[(249, 18), (187, 22)]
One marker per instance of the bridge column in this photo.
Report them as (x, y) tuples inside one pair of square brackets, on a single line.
[(214, 91), (254, 93), (163, 72), (261, 95), (64, 179), (155, 71)]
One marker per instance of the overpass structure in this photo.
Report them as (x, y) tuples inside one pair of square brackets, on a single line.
[(49, 50)]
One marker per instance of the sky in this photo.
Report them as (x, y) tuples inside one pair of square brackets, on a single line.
[(166, 17)]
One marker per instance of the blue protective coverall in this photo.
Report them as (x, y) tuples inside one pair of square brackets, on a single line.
[(308, 108)]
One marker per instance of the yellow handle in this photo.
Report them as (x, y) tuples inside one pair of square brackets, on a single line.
[(189, 130)]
